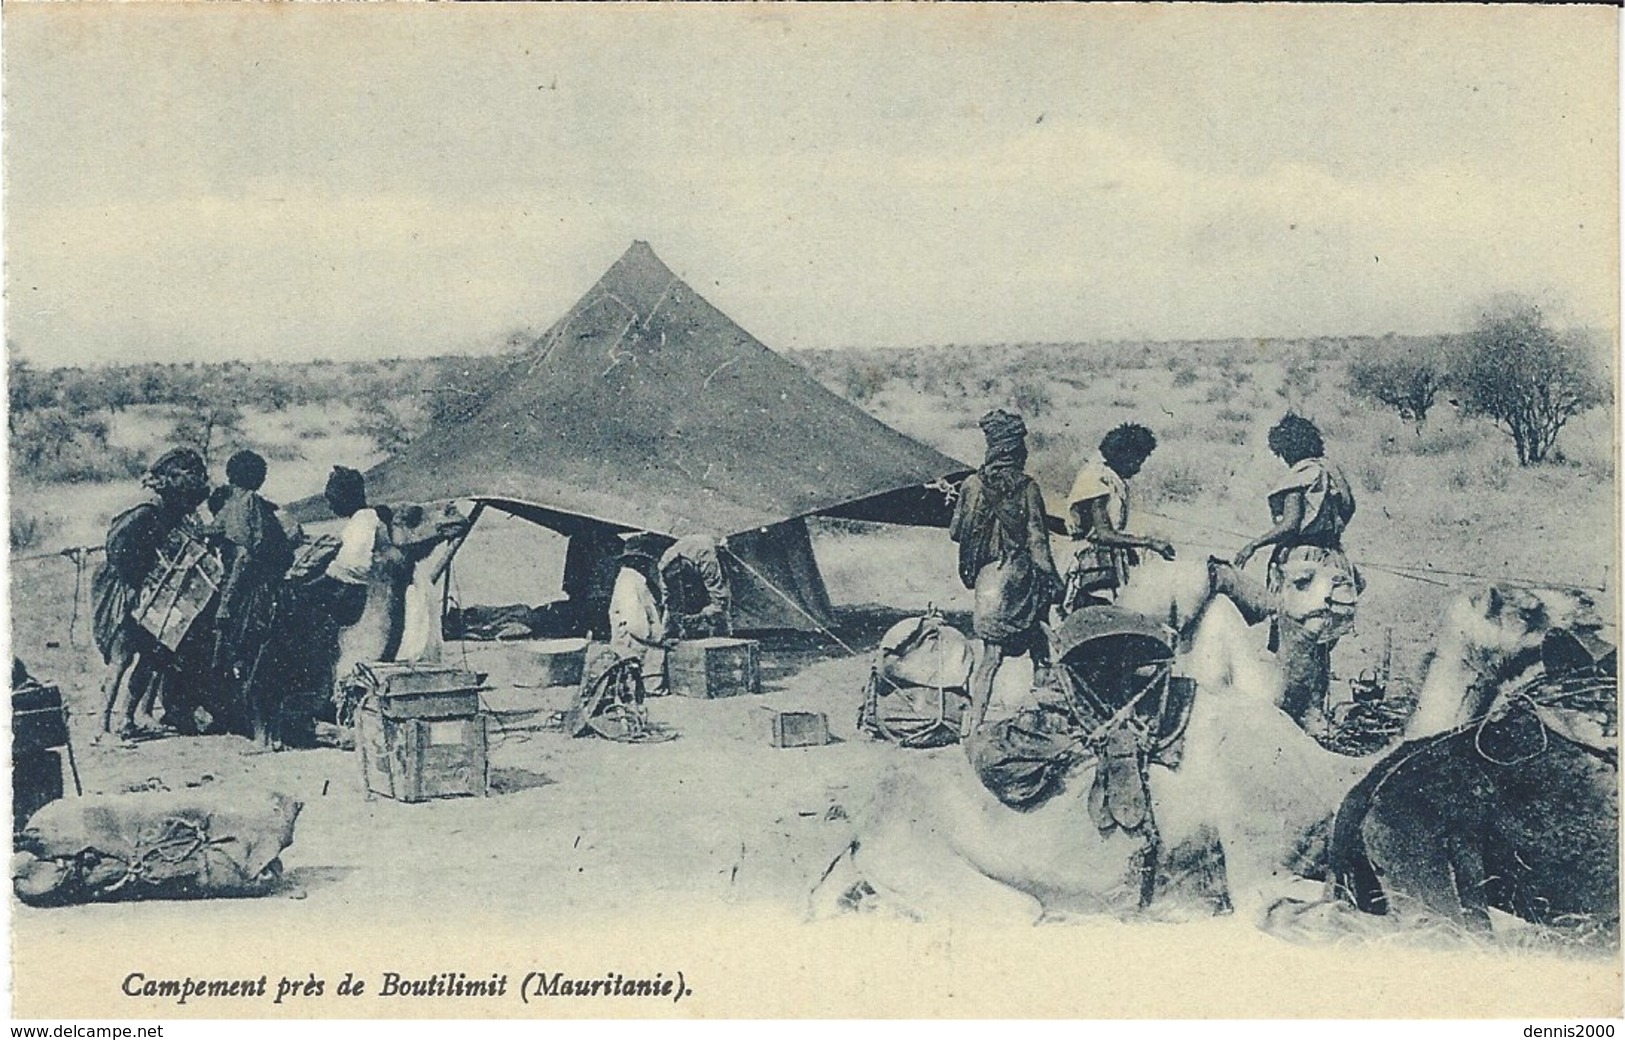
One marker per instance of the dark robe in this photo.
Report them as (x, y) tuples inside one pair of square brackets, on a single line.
[(1004, 554), (255, 550), (133, 540)]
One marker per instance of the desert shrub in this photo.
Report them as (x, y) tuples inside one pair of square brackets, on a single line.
[(1405, 379), (1447, 441), (1177, 431), (1299, 382), (29, 530), (1185, 377), (1230, 434), (1175, 482), (214, 428), (1220, 393), (1032, 400), (1496, 474), (1372, 473), (1530, 380), (384, 424), (42, 434), (91, 467), (53, 445), (1241, 376), (1125, 402), (282, 452), (27, 388)]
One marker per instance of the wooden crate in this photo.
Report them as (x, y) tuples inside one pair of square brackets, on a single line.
[(559, 662), (800, 729), (404, 690), (413, 760), (37, 720), (36, 781), (178, 589), (714, 667)]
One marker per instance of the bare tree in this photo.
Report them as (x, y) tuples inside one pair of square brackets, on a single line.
[(1530, 380)]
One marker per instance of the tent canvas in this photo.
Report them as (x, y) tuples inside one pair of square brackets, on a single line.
[(647, 409)]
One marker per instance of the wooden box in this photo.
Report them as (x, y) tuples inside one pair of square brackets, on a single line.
[(800, 729), (37, 720), (413, 759), (714, 667), (405, 690), (178, 589), (559, 662), (36, 781)]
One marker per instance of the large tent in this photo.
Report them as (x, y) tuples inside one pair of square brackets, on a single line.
[(647, 409)]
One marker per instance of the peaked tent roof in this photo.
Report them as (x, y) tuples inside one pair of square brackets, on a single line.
[(648, 408)]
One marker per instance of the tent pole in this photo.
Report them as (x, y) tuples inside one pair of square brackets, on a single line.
[(444, 567), (793, 604)]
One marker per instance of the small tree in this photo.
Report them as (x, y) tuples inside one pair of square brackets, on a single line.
[(384, 424), (27, 389), (1527, 378), (1408, 381), (208, 427)]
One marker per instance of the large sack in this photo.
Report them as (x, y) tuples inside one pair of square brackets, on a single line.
[(153, 844), (917, 692), (1024, 760)]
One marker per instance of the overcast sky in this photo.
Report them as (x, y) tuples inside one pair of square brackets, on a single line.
[(301, 181)]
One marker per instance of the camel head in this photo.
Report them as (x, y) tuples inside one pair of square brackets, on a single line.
[(1319, 590), (417, 530), (437, 522), (1491, 640)]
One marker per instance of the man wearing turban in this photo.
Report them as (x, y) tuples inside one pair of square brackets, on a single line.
[(179, 482), (1004, 555)]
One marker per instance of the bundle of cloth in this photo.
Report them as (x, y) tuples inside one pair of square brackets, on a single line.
[(153, 844), (918, 687)]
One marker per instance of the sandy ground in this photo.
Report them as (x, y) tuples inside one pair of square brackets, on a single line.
[(698, 852), (690, 855)]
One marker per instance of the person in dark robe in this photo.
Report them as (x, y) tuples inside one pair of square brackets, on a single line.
[(179, 481), (694, 589), (256, 553), (1004, 555)]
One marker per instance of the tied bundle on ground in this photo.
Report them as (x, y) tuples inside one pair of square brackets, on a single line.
[(183, 844)]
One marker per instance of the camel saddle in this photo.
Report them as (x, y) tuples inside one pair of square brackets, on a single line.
[(1117, 704)]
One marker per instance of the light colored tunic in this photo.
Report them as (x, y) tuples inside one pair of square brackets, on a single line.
[(1097, 479), (364, 534), (1328, 502), (633, 615)]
